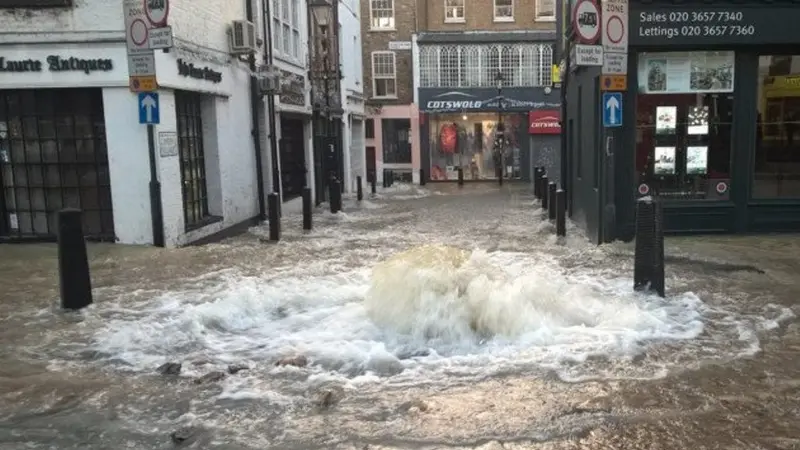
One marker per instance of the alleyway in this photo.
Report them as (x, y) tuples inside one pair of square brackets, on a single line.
[(430, 317)]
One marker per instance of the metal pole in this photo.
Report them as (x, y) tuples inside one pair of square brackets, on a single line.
[(273, 201), (561, 213), (255, 98), (359, 189), (156, 211)]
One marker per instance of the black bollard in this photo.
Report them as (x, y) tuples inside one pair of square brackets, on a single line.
[(335, 195), (500, 176), (73, 262), (460, 176), (273, 215), (648, 266), (537, 177), (551, 204), (359, 189), (385, 178), (373, 185), (422, 179), (308, 215), (561, 213), (391, 178), (543, 190)]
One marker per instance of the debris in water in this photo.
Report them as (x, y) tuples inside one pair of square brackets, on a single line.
[(182, 435), (210, 377), (233, 369), (327, 398), (297, 361), (170, 368)]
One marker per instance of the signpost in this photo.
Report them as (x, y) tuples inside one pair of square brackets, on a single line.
[(612, 109)]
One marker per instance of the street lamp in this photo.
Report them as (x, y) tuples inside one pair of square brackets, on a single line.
[(500, 138)]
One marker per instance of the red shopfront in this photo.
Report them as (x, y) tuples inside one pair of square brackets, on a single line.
[(544, 128)]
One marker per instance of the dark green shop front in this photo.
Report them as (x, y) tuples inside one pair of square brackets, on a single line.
[(711, 122)]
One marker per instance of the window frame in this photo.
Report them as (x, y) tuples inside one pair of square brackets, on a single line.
[(503, 18), (544, 18), (463, 6), (192, 159), (383, 77), (372, 8), (294, 21)]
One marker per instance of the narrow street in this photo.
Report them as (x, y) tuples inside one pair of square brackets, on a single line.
[(422, 318)]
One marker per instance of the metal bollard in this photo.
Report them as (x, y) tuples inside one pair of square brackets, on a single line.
[(373, 185), (335, 195), (460, 176), (391, 178), (359, 189), (551, 204), (273, 215), (537, 177), (422, 179), (648, 266), (73, 262), (561, 213), (543, 189), (385, 178), (308, 215)]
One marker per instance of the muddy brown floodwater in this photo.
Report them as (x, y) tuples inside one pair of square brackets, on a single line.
[(57, 391)]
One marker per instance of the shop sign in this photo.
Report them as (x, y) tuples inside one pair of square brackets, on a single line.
[(703, 25), (200, 73), (293, 89), (545, 121), (55, 63), (485, 99)]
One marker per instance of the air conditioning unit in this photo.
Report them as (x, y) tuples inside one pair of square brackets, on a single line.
[(269, 84), (243, 37)]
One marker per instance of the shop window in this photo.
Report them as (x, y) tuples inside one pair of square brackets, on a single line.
[(777, 159), (396, 141), (684, 112), (188, 107)]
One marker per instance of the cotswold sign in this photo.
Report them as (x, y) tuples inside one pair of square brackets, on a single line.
[(708, 24), (485, 99), (55, 63)]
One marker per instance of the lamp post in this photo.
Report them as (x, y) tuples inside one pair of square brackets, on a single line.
[(325, 72), (500, 137)]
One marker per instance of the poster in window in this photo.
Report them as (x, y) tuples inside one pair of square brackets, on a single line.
[(696, 160), (698, 120), (666, 116), (686, 72), (664, 161)]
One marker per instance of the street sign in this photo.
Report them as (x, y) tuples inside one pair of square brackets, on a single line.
[(615, 26), (614, 83), (145, 83), (586, 21), (148, 108), (160, 38), (615, 63), (157, 12), (136, 27), (142, 64), (587, 55), (612, 109)]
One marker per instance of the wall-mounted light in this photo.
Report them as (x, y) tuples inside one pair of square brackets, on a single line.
[(464, 117)]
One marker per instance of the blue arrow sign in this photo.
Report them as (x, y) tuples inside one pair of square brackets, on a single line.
[(612, 109), (148, 108)]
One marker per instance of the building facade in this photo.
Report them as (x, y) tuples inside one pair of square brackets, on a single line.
[(484, 89), (391, 129), (70, 133), (710, 122), (352, 93)]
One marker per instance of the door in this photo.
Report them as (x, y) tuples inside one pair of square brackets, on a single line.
[(293, 158), (371, 164), (53, 155)]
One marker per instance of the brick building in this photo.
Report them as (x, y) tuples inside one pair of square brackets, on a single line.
[(483, 88)]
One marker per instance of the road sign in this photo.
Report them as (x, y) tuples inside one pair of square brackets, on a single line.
[(136, 27), (615, 26), (148, 108), (157, 12), (142, 64), (614, 83), (587, 55), (615, 63), (612, 109), (160, 38), (586, 21), (145, 83)]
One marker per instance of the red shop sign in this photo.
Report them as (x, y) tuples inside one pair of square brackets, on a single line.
[(545, 121)]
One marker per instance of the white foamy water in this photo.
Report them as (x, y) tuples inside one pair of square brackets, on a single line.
[(430, 313)]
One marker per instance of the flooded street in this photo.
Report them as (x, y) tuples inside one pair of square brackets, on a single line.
[(423, 318)]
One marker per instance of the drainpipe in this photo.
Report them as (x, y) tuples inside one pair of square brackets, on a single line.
[(255, 98), (269, 60)]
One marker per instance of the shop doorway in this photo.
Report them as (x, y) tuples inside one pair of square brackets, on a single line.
[(371, 170), (293, 158), (53, 155)]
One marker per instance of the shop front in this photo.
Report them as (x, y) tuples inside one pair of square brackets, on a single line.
[(711, 122), (482, 131), (293, 143)]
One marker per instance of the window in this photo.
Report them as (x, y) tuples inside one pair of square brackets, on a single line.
[(369, 129), (777, 163), (384, 83), (503, 10), (396, 141), (477, 65), (382, 14), (33, 3), (546, 10), (286, 29), (188, 107), (454, 11)]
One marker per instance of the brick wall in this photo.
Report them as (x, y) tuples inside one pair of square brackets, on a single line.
[(378, 40), (479, 16)]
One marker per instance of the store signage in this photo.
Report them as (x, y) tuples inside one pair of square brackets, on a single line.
[(293, 89), (702, 25), (485, 99), (201, 73), (55, 63), (545, 121)]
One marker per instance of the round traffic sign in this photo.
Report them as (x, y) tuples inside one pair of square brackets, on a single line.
[(644, 189), (615, 29), (722, 187), (586, 21), (138, 32), (157, 12)]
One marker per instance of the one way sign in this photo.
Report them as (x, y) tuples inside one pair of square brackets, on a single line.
[(612, 109), (148, 108)]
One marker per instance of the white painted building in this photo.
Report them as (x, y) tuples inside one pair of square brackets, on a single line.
[(352, 93), (70, 132)]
